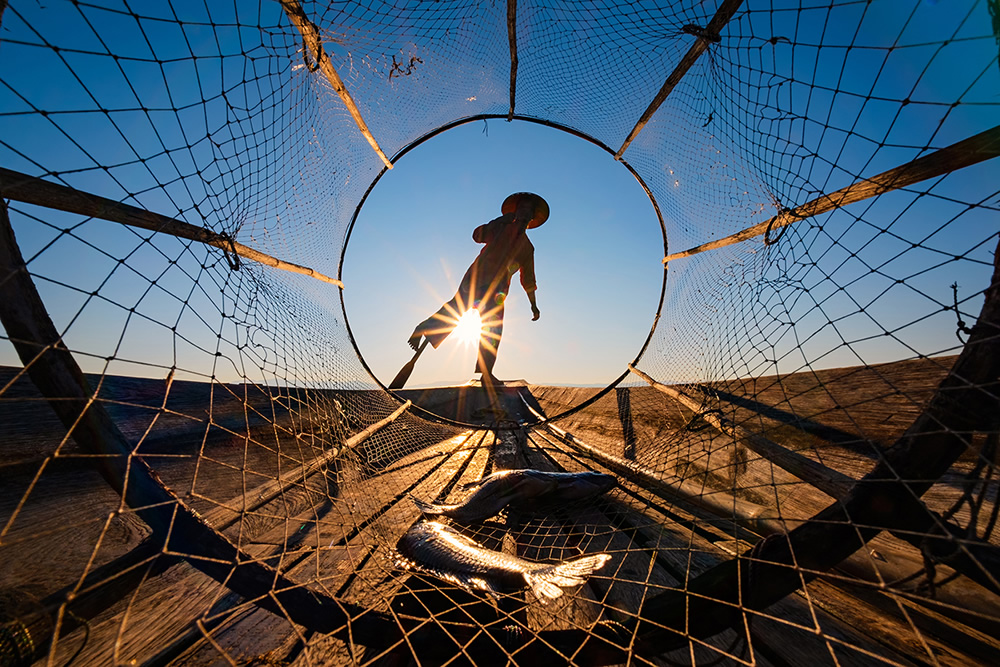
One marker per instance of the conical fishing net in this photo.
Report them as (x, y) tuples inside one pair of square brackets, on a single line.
[(198, 467)]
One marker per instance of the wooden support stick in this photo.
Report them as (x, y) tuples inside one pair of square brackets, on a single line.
[(831, 482), (753, 516), (965, 153), (30, 190), (721, 18), (313, 41), (981, 563), (512, 38)]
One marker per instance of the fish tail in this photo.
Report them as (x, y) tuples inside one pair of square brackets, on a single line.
[(429, 508), (547, 582)]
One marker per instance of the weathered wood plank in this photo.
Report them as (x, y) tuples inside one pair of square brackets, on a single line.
[(788, 633), (374, 586), (722, 504), (883, 622), (896, 562), (831, 482), (144, 627), (660, 559), (370, 577), (226, 515), (334, 547), (983, 565)]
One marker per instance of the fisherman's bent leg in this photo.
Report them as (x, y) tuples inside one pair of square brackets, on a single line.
[(437, 327)]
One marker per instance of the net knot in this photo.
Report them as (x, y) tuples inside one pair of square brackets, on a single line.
[(702, 33), (313, 66), (232, 256), (767, 232)]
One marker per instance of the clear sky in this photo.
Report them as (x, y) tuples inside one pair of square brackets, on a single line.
[(800, 115), (597, 258)]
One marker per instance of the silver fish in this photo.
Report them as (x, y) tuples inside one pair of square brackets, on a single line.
[(518, 488), (439, 550)]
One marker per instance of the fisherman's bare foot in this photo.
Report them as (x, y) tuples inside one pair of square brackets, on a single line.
[(490, 380), (414, 340)]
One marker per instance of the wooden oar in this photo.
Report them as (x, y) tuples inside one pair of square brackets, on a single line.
[(404, 373)]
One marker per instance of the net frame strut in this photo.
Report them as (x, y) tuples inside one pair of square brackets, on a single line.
[(30, 190), (313, 42), (708, 35), (512, 38), (973, 150)]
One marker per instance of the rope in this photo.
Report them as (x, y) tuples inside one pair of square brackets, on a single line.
[(960, 327)]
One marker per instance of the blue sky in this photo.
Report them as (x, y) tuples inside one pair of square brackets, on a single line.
[(243, 137), (597, 258)]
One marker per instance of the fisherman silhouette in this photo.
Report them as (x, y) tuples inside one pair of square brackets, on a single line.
[(486, 283)]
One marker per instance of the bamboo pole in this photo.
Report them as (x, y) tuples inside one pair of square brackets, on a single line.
[(965, 153), (831, 482), (313, 41), (721, 18), (750, 515), (512, 38), (30, 190), (981, 563)]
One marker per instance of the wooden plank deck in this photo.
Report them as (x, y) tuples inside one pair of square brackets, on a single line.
[(163, 610), (801, 635), (345, 544), (335, 530)]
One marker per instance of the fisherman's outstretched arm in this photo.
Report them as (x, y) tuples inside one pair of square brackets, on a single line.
[(535, 313), (527, 262)]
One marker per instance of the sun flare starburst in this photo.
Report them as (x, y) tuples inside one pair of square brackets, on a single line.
[(468, 329)]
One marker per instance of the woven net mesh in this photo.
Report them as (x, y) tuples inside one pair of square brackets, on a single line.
[(775, 503)]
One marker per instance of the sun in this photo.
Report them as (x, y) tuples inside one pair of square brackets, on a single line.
[(468, 329)]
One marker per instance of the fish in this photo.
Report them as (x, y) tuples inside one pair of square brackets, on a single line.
[(437, 549), (519, 488)]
